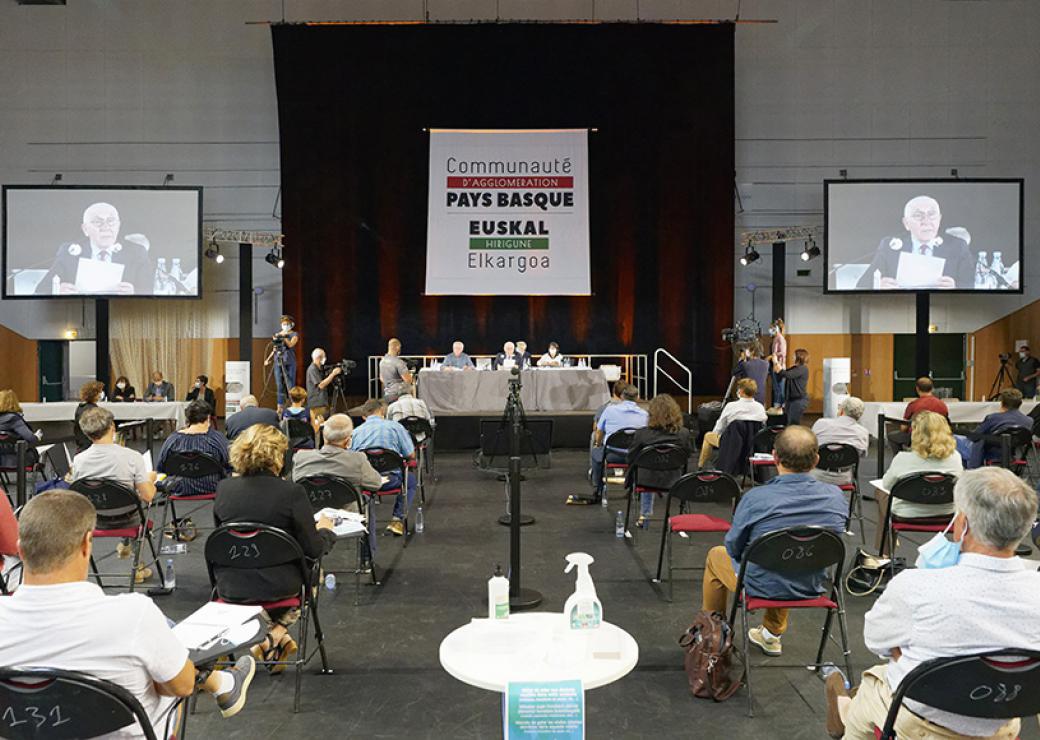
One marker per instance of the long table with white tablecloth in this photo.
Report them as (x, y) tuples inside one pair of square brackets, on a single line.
[(485, 391), (66, 411), (961, 412)]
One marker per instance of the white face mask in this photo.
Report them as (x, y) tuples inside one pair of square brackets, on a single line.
[(772, 331), (1022, 355), (198, 384), (286, 327), (120, 386)]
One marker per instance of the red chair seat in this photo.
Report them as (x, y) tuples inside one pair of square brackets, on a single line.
[(388, 492), (412, 464), (847, 487), (820, 602), (289, 603), (762, 463), (124, 533), (924, 524), (197, 497), (617, 466), (698, 523), (645, 489)]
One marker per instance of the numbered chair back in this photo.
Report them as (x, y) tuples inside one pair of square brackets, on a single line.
[(765, 439), (1018, 441), (704, 487), (836, 457), (108, 497), (332, 492), (252, 546), (9, 452), (420, 428), (999, 685), (192, 465), (796, 550), (653, 461), (620, 440), (45, 703), (299, 432), (925, 488), (386, 461)]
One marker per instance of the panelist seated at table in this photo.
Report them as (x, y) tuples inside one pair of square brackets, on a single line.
[(507, 359), (123, 391), (552, 357), (458, 359), (159, 389), (525, 356)]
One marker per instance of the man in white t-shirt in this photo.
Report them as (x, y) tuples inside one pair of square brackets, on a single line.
[(745, 408), (56, 619), (843, 429)]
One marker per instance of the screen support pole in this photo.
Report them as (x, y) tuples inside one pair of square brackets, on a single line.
[(922, 349), (245, 302), (779, 279), (102, 365)]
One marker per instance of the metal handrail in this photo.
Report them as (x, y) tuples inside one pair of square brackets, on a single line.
[(688, 388)]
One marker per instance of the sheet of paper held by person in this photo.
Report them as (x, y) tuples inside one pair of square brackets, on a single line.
[(95, 276), (919, 270)]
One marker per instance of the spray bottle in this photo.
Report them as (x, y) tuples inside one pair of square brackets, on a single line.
[(582, 610), (498, 595)]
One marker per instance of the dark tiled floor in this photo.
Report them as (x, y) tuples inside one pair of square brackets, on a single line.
[(389, 684)]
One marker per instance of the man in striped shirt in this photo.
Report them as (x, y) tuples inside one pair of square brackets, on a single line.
[(198, 436), (408, 405), (378, 432)]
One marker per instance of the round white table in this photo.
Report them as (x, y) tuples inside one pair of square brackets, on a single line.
[(536, 646)]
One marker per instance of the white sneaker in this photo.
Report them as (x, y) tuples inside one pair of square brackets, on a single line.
[(768, 645)]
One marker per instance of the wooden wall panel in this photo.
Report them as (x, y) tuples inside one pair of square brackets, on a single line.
[(998, 337), (871, 356), (19, 369)]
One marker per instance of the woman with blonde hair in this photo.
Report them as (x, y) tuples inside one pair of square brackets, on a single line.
[(259, 495), (933, 449), (664, 426)]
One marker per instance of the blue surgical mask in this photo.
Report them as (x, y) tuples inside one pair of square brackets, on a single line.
[(940, 552)]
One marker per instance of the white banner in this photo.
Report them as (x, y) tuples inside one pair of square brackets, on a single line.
[(508, 213), (236, 385)]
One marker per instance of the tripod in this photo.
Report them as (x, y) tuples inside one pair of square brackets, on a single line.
[(338, 396), (283, 373), (1003, 376), (513, 424), (519, 598)]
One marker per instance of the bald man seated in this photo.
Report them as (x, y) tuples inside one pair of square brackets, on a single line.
[(922, 219)]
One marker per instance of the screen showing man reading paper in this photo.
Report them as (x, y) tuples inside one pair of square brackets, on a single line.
[(61, 242), (923, 235)]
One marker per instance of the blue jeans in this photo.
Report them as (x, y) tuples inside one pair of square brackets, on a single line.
[(778, 388), (395, 482), (646, 504), (599, 457), (284, 372)]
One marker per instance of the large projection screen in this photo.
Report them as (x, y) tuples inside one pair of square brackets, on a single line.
[(923, 235), (83, 241)]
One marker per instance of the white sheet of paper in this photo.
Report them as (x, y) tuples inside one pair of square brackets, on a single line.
[(95, 276), (147, 457), (919, 270), (879, 485), (352, 521), (212, 619)]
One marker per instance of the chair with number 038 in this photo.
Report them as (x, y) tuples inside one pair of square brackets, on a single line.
[(796, 551), (250, 546), (1001, 685)]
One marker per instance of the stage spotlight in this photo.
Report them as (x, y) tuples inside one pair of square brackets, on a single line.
[(750, 255), (809, 251), (213, 252), (274, 258)]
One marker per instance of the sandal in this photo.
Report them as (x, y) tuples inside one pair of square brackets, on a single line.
[(265, 652), (575, 500), (283, 651)]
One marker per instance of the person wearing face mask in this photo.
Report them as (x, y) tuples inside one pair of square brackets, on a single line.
[(778, 355), (123, 391), (158, 389), (283, 354), (1028, 369), (967, 595), (552, 358), (202, 390)]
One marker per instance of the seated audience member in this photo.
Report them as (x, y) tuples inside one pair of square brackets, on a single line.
[(248, 414), (378, 432), (159, 389), (457, 360), (507, 358), (625, 414), (1010, 415), (57, 619), (792, 499), (105, 459), (525, 356), (843, 429), (8, 541), (89, 395), (796, 385), (258, 495), (925, 401), (202, 390), (751, 365), (297, 411), (408, 405), (552, 357), (987, 601), (13, 423), (745, 408), (932, 450), (198, 436), (664, 425), (123, 391)]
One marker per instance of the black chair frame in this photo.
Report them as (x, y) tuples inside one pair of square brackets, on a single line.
[(418, 426), (838, 457), (253, 546), (187, 465), (9, 446), (796, 550), (618, 440), (918, 488), (665, 456), (763, 441), (387, 461), (1014, 444)]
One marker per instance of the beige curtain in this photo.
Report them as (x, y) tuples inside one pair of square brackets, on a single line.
[(180, 338)]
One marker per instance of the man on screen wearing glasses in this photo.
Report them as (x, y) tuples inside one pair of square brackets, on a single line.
[(922, 218), (101, 229)]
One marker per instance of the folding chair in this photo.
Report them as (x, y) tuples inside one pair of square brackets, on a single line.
[(659, 458), (299, 433), (619, 440), (9, 446), (1003, 684), (1014, 444), (187, 465), (795, 551), (254, 546), (836, 457), (422, 437), (702, 487), (112, 499), (67, 705), (330, 491), (388, 461), (763, 442), (918, 488)]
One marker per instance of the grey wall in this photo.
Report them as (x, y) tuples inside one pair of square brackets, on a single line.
[(124, 91)]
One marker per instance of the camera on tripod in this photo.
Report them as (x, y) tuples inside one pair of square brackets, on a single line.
[(1005, 357), (345, 368), (278, 340)]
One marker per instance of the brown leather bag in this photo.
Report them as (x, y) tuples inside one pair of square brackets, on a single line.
[(714, 666)]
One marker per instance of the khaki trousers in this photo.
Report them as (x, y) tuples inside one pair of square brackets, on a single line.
[(720, 581), (711, 442)]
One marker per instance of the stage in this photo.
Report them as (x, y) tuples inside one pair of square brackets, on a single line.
[(461, 431)]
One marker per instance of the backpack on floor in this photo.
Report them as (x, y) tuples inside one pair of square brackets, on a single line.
[(714, 666)]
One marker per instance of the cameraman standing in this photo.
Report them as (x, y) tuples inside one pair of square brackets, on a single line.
[(283, 353), (1028, 368), (318, 384)]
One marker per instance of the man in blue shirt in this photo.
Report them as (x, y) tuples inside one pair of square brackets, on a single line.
[(794, 498), (457, 360), (378, 432), (623, 415), (1009, 416)]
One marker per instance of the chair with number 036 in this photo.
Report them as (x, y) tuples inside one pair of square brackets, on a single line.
[(796, 551)]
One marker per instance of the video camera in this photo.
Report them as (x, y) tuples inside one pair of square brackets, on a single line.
[(1005, 357), (345, 367)]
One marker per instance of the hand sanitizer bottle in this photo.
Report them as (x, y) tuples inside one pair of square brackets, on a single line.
[(498, 595), (583, 610)]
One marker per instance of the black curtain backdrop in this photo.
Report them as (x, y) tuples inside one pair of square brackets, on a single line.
[(353, 101)]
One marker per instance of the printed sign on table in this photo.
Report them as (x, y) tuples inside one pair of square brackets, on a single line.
[(544, 710)]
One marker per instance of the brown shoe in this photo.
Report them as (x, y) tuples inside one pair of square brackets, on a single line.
[(396, 528), (143, 574), (834, 687)]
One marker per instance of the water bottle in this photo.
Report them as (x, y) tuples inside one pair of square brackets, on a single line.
[(330, 581), (981, 271), (619, 526), (160, 276), (997, 266), (420, 521), (177, 274), (170, 577), (56, 285), (603, 499)]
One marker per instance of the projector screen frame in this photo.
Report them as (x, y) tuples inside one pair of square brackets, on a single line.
[(1020, 181), (7, 296)]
